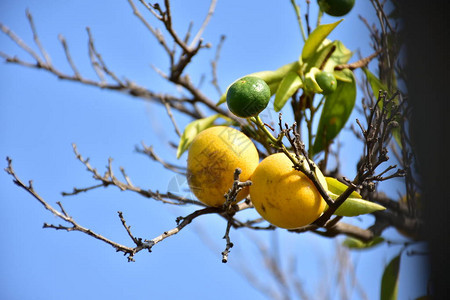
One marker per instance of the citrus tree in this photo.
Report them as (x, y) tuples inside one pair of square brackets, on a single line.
[(265, 153)]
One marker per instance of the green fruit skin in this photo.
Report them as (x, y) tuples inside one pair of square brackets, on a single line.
[(248, 96), (327, 82), (336, 8)]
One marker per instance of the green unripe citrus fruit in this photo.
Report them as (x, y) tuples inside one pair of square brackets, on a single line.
[(336, 8), (327, 82), (248, 96)]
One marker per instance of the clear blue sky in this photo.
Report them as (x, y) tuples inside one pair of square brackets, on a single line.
[(41, 116)]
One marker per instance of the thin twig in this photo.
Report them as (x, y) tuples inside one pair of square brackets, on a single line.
[(214, 63), (155, 33), (197, 37), (148, 150), (229, 244), (109, 179), (182, 222), (101, 62), (128, 228), (19, 42), (69, 56), (36, 38), (169, 113)]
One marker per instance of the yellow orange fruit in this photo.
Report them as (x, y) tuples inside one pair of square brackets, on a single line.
[(284, 196), (213, 156)]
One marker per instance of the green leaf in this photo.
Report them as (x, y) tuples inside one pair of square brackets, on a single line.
[(319, 56), (337, 187), (191, 131), (311, 84), (356, 244), (274, 87), (288, 86), (283, 70), (316, 38), (335, 113), (342, 75), (389, 281), (375, 84), (354, 206)]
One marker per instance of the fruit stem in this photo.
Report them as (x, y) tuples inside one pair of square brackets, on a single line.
[(257, 120), (319, 17), (276, 141)]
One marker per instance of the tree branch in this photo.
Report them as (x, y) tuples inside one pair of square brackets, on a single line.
[(63, 215), (358, 64)]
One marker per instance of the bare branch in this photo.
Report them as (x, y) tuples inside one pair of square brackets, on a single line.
[(376, 135), (68, 56), (169, 112), (358, 64), (128, 229), (99, 62), (214, 63), (65, 217), (36, 38), (348, 230), (81, 190), (148, 150), (21, 44), (150, 8), (229, 244), (197, 37), (185, 105), (182, 222), (155, 33), (235, 189), (110, 179)]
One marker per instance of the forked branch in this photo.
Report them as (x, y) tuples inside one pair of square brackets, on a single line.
[(107, 79), (140, 243)]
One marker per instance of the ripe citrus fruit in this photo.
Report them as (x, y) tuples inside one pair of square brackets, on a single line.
[(327, 82), (284, 196), (213, 156), (248, 96), (336, 8)]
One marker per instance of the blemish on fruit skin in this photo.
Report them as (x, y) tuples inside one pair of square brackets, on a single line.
[(263, 207), (272, 204)]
